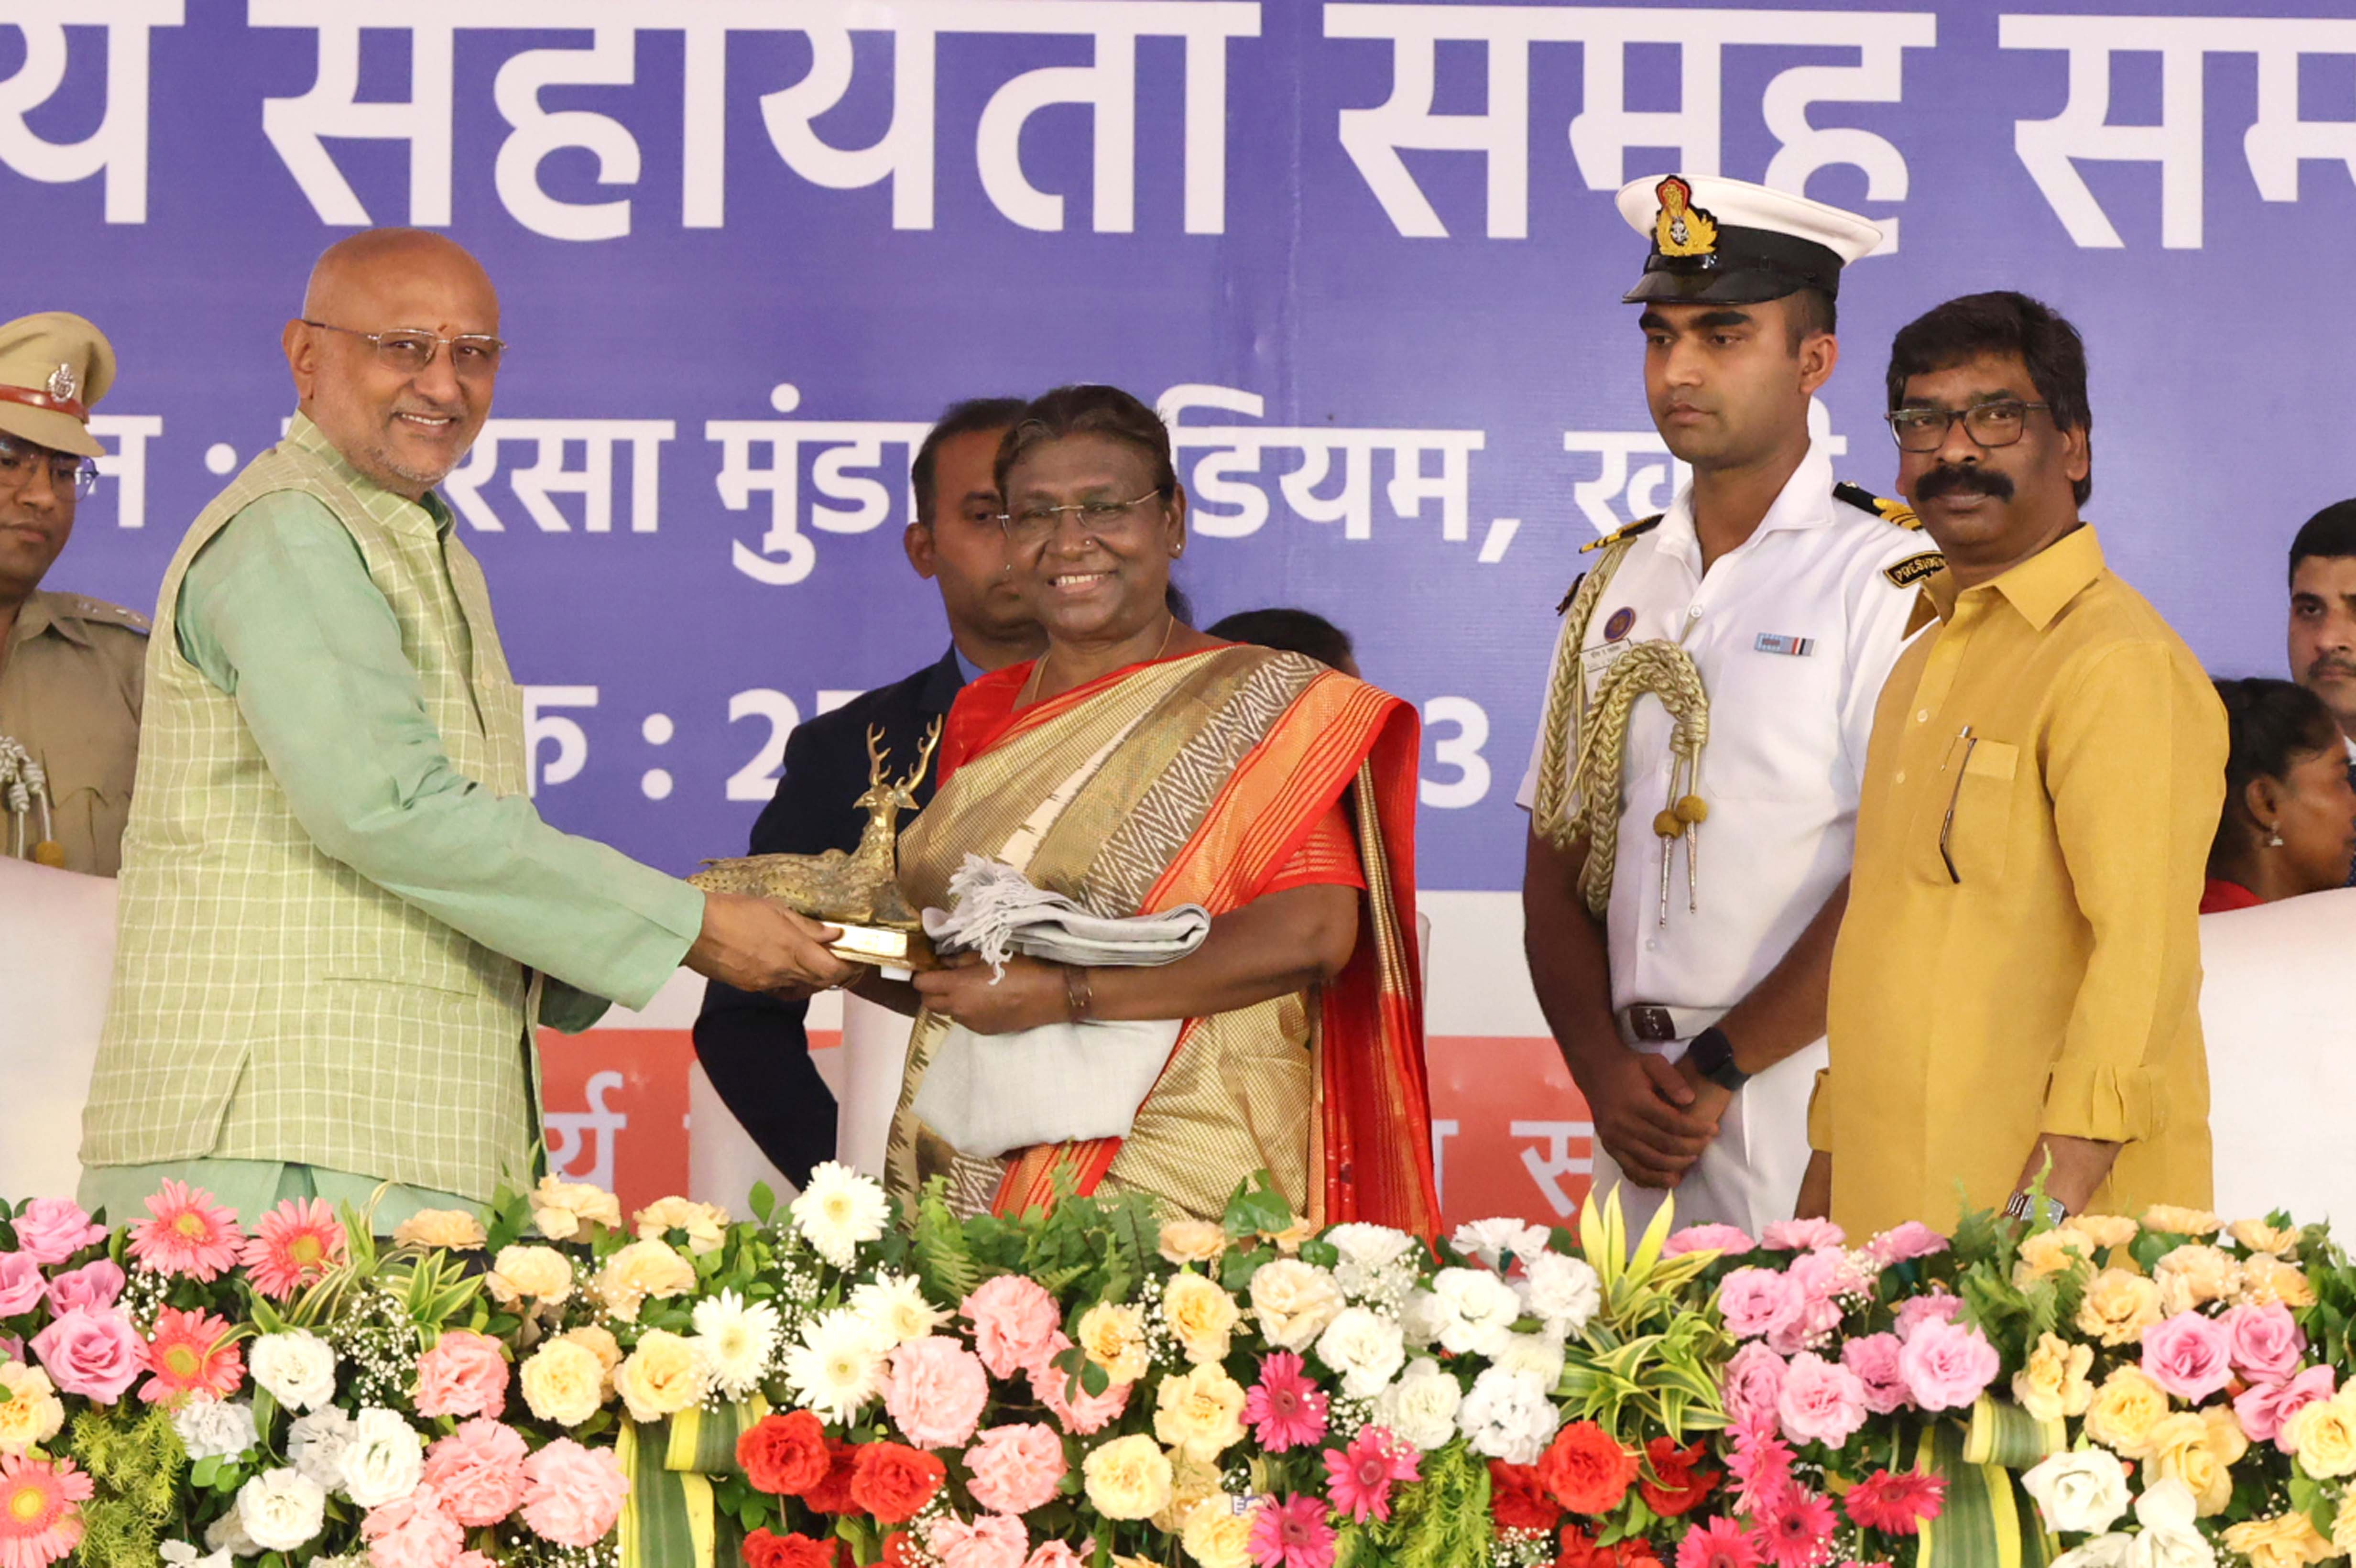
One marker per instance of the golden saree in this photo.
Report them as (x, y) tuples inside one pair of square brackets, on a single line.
[(1198, 780)]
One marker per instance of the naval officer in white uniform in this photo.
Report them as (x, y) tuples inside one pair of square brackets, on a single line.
[(1751, 627)]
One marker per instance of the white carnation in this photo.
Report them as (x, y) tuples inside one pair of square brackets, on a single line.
[(839, 1211), (1365, 1348), (1507, 1416), (1420, 1408), (297, 1368), (182, 1554), (383, 1460), (737, 1340), (2079, 1494), (1481, 1311), (215, 1429), (281, 1509), (1537, 1356), (893, 1305), (225, 1536), (1374, 1264), (1491, 1239), (838, 1366), (316, 1445), (1422, 1319), (1562, 1292), (1293, 1302)]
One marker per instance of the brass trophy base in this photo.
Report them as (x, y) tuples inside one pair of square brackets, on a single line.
[(883, 947)]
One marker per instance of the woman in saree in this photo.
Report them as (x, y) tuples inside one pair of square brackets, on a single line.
[(1139, 765)]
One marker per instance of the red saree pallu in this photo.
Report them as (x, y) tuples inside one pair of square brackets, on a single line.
[(1212, 778)]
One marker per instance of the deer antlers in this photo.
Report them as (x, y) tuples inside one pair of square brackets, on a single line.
[(923, 756), (879, 757)]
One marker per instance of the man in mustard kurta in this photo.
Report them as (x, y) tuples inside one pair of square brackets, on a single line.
[(339, 913), (2016, 987)]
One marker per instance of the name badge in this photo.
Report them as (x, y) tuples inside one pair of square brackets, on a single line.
[(1778, 643)]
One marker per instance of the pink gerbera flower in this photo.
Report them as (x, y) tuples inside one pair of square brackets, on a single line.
[(1798, 1530), (1360, 1478), (1762, 1463), (40, 1512), (190, 1234), (1718, 1544), (295, 1243), (1284, 1408), (192, 1353), (1896, 1502), (1291, 1532)]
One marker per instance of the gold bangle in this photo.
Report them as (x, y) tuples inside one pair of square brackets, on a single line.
[(1077, 994)]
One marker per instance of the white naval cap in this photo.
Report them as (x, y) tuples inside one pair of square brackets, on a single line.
[(1732, 242)]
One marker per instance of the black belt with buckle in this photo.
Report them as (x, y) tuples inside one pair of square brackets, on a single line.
[(1651, 1021)]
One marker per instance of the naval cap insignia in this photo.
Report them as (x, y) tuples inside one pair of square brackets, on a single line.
[(1682, 229), (63, 383)]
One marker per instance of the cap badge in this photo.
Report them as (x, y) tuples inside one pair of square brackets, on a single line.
[(63, 383), (1682, 229)]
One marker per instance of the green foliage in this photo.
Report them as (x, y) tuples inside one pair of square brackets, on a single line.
[(945, 1260), (135, 1460), (1440, 1522), (1647, 1362)]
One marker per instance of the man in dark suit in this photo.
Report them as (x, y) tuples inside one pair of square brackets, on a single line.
[(755, 1048)]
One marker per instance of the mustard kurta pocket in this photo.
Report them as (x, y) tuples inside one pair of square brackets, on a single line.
[(1964, 842)]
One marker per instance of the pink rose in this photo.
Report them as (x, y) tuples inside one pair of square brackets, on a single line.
[(2265, 1409), (1754, 1381), (1727, 1240), (478, 1470), (1917, 1310), (20, 1282), (52, 1229), (2267, 1345), (1015, 1468), (1803, 1235), (1874, 1358), (573, 1495), (1082, 1413), (1912, 1239), (1821, 1401), (1054, 1554), (993, 1540), (1757, 1301), (936, 1391), (463, 1374), (95, 1284), (2189, 1356), (91, 1351), (1012, 1320), (414, 1531), (1946, 1365)]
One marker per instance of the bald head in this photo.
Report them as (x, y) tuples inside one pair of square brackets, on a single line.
[(403, 425)]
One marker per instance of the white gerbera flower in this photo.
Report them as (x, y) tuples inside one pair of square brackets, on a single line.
[(296, 1367), (840, 1210), (737, 1339), (893, 1305), (1562, 1292), (1491, 1239), (281, 1509), (215, 1428), (838, 1367)]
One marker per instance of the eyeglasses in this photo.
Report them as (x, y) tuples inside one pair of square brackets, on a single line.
[(1998, 423), (1034, 525), (410, 349), (1947, 826), (19, 458)]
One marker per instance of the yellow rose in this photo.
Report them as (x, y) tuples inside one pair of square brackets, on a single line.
[(2123, 1410), (2180, 1448), (2119, 1307), (2102, 1229), (34, 1414), (1201, 1315), (662, 1377), (2181, 1222), (2194, 1276), (1218, 1532), (2323, 1437), (2049, 1253), (1191, 1481), (2260, 1237), (1200, 1413), (2053, 1385), (2288, 1541), (638, 1271), (1128, 1477), (706, 1226), (1114, 1338), (1193, 1241), (2266, 1280), (2343, 1524), (598, 1341), (452, 1230), (561, 1207), (562, 1382), (543, 1274)]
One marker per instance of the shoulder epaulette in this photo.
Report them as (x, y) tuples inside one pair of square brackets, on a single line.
[(1630, 532), (99, 613), (1897, 513)]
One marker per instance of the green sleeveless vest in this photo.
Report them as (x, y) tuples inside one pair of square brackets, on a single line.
[(270, 1002)]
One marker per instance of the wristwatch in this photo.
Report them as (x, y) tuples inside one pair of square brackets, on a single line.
[(2018, 1208), (1712, 1055)]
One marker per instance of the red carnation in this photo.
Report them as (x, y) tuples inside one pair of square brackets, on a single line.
[(832, 1493), (784, 1456), (764, 1548), (1517, 1498), (1685, 1480), (1577, 1549), (892, 1481), (1587, 1470)]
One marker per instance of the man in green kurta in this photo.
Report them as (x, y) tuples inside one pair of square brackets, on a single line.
[(339, 913)]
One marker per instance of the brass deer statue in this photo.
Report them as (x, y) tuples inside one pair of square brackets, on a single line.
[(860, 889)]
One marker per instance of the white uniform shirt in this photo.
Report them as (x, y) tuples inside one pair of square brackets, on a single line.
[(1780, 773)]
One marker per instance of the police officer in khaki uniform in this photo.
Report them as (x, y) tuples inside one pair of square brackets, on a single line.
[(71, 666)]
